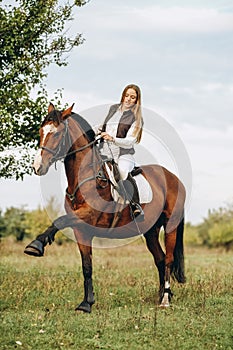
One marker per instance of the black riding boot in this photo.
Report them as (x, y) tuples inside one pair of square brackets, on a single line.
[(132, 194), (135, 203)]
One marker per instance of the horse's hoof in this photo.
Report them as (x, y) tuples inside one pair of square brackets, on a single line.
[(84, 306), (165, 303), (35, 248), (164, 306)]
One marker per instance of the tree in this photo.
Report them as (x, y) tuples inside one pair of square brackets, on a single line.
[(32, 36), (217, 229), (221, 234), (22, 223), (14, 222), (38, 220), (2, 225), (192, 236)]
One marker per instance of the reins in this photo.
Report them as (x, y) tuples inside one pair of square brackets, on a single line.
[(100, 175)]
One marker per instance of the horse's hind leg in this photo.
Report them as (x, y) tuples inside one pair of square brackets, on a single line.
[(170, 243), (174, 260), (152, 241)]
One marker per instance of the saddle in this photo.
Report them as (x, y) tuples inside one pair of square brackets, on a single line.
[(136, 170), (144, 188)]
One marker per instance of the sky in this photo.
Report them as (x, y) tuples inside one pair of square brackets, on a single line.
[(180, 54)]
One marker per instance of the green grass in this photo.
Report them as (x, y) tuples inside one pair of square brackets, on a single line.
[(39, 295)]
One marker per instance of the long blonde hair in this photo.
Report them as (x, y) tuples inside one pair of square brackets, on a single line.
[(136, 110)]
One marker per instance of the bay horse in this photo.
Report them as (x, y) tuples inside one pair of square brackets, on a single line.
[(91, 210)]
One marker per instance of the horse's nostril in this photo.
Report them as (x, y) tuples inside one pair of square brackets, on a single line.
[(36, 170)]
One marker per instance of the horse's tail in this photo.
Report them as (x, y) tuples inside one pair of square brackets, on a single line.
[(178, 264)]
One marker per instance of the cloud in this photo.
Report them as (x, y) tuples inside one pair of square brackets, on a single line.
[(200, 135), (208, 103), (177, 90), (210, 152), (181, 19), (208, 87), (157, 18), (217, 87), (156, 44)]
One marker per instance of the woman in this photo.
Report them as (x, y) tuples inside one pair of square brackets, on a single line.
[(122, 128)]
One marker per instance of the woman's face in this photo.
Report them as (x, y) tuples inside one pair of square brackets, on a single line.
[(130, 98)]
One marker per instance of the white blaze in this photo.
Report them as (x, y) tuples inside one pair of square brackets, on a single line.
[(37, 160), (49, 128)]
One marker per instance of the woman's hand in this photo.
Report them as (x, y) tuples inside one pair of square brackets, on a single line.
[(106, 136)]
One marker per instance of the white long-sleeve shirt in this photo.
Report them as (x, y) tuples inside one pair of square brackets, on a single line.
[(112, 149)]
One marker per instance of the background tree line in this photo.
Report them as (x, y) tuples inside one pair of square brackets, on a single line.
[(215, 231), (22, 223)]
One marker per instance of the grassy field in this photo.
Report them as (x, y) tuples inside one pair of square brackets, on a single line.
[(39, 295)]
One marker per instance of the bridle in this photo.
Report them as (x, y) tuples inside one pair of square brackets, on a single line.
[(57, 152), (58, 156)]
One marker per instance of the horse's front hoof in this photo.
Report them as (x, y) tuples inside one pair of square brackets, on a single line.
[(84, 306), (35, 248)]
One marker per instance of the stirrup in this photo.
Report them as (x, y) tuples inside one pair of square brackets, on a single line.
[(137, 211)]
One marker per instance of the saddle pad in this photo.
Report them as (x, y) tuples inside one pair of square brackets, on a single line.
[(144, 188)]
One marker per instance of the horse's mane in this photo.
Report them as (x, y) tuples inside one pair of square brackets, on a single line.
[(55, 116), (85, 126)]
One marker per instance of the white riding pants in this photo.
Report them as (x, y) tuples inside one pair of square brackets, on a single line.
[(126, 164)]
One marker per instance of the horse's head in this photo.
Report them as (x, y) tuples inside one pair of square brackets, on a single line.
[(53, 139)]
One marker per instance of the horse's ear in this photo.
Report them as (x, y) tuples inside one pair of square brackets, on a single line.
[(65, 114), (51, 108)]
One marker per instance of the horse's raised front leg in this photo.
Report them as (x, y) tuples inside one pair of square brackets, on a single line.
[(36, 247), (86, 255)]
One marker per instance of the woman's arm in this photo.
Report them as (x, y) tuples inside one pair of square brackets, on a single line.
[(128, 141)]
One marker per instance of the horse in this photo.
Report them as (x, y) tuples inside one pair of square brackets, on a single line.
[(92, 212)]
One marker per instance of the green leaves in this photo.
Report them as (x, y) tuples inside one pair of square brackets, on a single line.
[(215, 231), (32, 37)]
